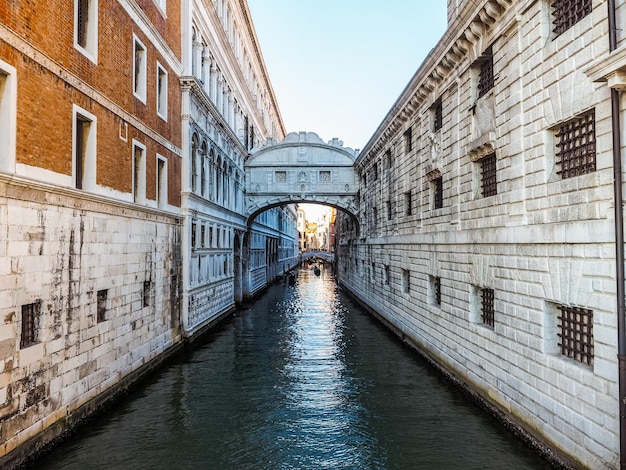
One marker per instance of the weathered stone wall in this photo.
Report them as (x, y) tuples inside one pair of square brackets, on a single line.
[(60, 250), (541, 242)]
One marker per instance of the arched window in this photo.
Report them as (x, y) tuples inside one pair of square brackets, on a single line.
[(194, 163), (203, 163), (211, 175)]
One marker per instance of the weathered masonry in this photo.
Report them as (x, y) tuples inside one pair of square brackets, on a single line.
[(487, 226)]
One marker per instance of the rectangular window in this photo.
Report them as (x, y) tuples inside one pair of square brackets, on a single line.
[(324, 176), (435, 283), (488, 175), (30, 321), (437, 114), (202, 235), (162, 199), (406, 281), (84, 149), (438, 192), (408, 203), (280, 176), (485, 75), (566, 13), (374, 171), (487, 312), (576, 146), (161, 91), (8, 116), (101, 305), (139, 69), (388, 158), (139, 172), (193, 234), (408, 140), (387, 274), (576, 333), (211, 237), (86, 28), (146, 293), (388, 207)]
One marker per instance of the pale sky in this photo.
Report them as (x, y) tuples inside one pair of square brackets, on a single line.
[(337, 66)]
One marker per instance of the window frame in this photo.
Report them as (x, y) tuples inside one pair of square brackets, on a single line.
[(566, 128), (138, 173), (140, 71), (582, 10), (162, 91), (84, 171), (90, 49), (162, 179), (31, 314), (8, 117)]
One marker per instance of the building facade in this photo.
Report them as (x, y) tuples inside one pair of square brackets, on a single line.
[(229, 107), (487, 229), (90, 159)]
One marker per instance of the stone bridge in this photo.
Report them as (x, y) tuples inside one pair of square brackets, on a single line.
[(301, 169)]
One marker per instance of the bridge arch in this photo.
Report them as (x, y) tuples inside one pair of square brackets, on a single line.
[(301, 168)]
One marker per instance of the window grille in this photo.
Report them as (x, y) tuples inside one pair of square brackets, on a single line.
[(437, 290), (576, 146), (388, 206), (488, 170), (566, 13), (280, 176), (101, 306), (82, 17), (438, 182), (408, 140), (485, 78), (146, 292), (437, 115), (30, 314), (408, 203), (576, 333), (325, 176), (487, 314), (387, 274)]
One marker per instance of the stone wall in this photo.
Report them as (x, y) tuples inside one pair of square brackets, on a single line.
[(99, 275), (432, 246)]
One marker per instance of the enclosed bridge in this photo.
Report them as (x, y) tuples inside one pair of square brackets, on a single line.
[(301, 168)]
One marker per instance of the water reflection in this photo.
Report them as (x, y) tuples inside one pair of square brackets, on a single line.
[(302, 380)]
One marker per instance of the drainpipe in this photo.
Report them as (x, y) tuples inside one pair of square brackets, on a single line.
[(619, 243)]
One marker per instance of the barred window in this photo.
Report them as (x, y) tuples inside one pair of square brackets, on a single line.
[(30, 317), (566, 13), (437, 115), (576, 333), (576, 146), (388, 158), (388, 207), (487, 312), (406, 281), (408, 140), (387, 274), (101, 306), (408, 203), (485, 77), (436, 286), (147, 286), (488, 172), (438, 192), (280, 176)]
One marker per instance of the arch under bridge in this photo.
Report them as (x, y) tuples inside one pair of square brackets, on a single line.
[(301, 169)]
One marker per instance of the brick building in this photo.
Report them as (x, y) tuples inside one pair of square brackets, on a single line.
[(90, 175), (487, 230)]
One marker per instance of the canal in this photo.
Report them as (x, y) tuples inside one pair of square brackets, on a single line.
[(302, 379)]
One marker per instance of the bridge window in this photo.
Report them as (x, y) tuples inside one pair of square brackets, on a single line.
[(280, 176), (325, 176)]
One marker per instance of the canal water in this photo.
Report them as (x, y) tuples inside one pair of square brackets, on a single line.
[(302, 379)]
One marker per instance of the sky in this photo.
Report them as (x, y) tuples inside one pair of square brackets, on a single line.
[(338, 66)]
